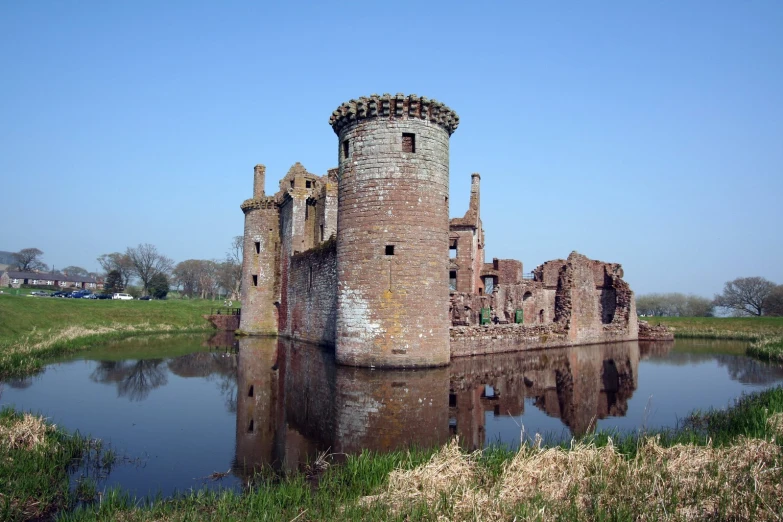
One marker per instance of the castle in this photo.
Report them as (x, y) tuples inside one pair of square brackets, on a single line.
[(366, 260)]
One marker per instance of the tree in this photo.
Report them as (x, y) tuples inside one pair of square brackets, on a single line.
[(75, 271), (119, 262), (231, 269), (745, 295), (159, 285), (113, 283), (28, 259), (147, 262), (674, 304), (773, 304)]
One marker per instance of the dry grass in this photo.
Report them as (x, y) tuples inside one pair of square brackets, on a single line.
[(29, 433), (682, 482)]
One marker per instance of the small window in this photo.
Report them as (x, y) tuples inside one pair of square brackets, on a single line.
[(258, 247), (408, 142), (292, 183), (310, 279), (389, 250), (308, 184), (322, 232), (250, 427), (346, 149), (453, 280), (453, 251), (250, 392), (255, 280)]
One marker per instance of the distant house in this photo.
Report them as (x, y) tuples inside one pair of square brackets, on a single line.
[(15, 279)]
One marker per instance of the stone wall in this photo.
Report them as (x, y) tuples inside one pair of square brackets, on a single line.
[(312, 295)]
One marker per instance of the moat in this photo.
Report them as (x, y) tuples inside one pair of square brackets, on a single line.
[(179, 409)]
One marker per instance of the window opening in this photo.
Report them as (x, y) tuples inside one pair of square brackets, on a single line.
[(250, 427), (308, 184), (310, 279), (453, 280), (389, 250), (346, 149), (489, 284), (250, 392), (255, 280), (258, 247), (292, 183), (453, 251), (322, 232), (408, 142)]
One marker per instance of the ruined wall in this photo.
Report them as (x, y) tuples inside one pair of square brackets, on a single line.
[(392, 232), (312, 295), (327, 206), (509, 271)]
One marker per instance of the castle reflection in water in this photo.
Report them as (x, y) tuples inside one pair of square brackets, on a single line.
[(293, 401)]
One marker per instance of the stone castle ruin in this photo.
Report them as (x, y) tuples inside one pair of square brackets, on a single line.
[(366, 260)]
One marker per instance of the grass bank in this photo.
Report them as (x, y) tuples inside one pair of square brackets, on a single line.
[(35, 459), (723, 465), (764, 333), (35, 329)]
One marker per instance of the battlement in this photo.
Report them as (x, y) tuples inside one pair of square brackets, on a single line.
[(258, 203), (397, 106)]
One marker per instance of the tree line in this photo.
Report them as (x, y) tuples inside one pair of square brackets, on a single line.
[(744, 296), (155, 272)]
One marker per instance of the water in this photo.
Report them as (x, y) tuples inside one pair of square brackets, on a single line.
[(180, 409)]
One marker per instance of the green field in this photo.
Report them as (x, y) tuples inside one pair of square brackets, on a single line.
[(34, 329), (741, 328)]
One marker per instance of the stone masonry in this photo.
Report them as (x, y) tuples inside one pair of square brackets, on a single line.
[(365, 259)]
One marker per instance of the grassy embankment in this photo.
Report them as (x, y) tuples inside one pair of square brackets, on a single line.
[(35, 459), (35, 329), (724, 465), (764, 333)]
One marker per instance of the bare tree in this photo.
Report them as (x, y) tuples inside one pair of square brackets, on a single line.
[(75, 271), (674, 304), (745, 295), (230, 270), (187, 274), (773, 304), (147, 262), (119, 262), (28, 259)]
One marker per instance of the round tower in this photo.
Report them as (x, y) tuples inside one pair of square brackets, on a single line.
[(393, 231), (260, 286)]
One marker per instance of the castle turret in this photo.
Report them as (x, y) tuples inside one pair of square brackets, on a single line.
[(393, 231), (260, 281)]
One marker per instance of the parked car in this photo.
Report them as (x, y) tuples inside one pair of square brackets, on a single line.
[(124, 297), (39, 293), (90, 296), (59, 294), (145, 298), (78, 294), (102, 296)]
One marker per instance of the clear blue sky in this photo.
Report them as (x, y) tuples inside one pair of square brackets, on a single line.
[(644, 133)]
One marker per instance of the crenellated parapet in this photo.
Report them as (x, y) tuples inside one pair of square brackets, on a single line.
[(265, 202), (399, 106)]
